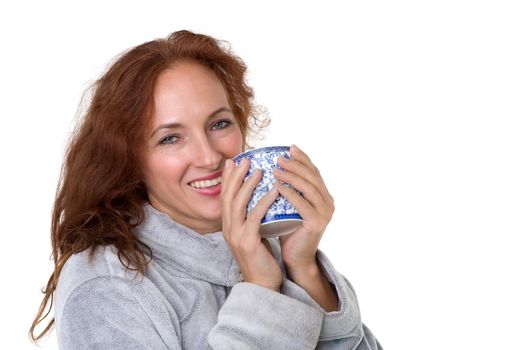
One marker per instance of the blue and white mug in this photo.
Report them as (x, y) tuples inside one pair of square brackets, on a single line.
[(281, 218)]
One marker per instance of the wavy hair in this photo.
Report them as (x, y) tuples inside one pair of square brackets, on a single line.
[(101, 194)]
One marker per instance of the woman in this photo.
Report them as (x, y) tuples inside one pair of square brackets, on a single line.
[(151, 245)]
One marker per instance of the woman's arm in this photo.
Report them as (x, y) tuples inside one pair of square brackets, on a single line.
[(314, 282), (309, 270), (341, 328), (255, 317)]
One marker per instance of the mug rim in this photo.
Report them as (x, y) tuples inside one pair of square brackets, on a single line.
[(261, 150)]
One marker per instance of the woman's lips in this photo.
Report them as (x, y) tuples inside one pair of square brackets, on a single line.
[(208, 177), (207, 185), (208, 191)]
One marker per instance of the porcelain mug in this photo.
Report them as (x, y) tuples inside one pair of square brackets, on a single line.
[(281, 218)]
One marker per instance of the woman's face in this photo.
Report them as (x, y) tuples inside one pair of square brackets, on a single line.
[(193, 132)]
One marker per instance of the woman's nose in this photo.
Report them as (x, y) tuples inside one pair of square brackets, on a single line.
[(206, 155)]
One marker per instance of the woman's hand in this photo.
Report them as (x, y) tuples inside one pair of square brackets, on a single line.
[(316, 207), (253, 254)]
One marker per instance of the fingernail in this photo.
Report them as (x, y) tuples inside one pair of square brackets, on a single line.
[(228, 164)]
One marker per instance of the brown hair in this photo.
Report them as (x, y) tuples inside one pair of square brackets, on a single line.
[(100, 194)]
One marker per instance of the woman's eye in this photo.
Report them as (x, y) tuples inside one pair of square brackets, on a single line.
[(221, 124), (169, 140)]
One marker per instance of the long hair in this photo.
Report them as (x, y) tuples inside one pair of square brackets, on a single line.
[(101, 194)]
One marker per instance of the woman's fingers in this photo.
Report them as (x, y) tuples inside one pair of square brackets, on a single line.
[(226, 173), (225, 204), (302, 166), (229, 179), (234, 177), (309, 191), (302, 157), (304, 208), (253, 221), (296, 166), (241, 199)]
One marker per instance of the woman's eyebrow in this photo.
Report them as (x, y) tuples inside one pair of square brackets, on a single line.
[(178, 125)]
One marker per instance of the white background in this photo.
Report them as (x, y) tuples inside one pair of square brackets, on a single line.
[(413, 110)]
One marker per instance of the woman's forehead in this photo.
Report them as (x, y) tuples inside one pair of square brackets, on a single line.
[(188, 90)]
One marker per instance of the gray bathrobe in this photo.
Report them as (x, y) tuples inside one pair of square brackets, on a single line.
[(193, 297)]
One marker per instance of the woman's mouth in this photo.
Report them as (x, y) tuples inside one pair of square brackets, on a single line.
[(205, 183), (210, 187)]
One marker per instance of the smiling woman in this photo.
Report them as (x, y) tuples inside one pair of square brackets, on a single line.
[(190, 145), (151, 243)]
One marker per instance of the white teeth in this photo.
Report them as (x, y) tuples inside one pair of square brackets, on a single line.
[(206, 183)]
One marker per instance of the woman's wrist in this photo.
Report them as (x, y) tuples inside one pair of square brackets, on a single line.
[(264, 284), (314, 282), (303, 271)]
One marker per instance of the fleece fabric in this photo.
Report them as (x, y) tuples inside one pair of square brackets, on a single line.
[(192, 296)]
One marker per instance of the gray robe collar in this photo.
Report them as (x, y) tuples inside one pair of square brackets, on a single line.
[(177, 247)]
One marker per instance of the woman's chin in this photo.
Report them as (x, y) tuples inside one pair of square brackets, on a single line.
[(213, 215)]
